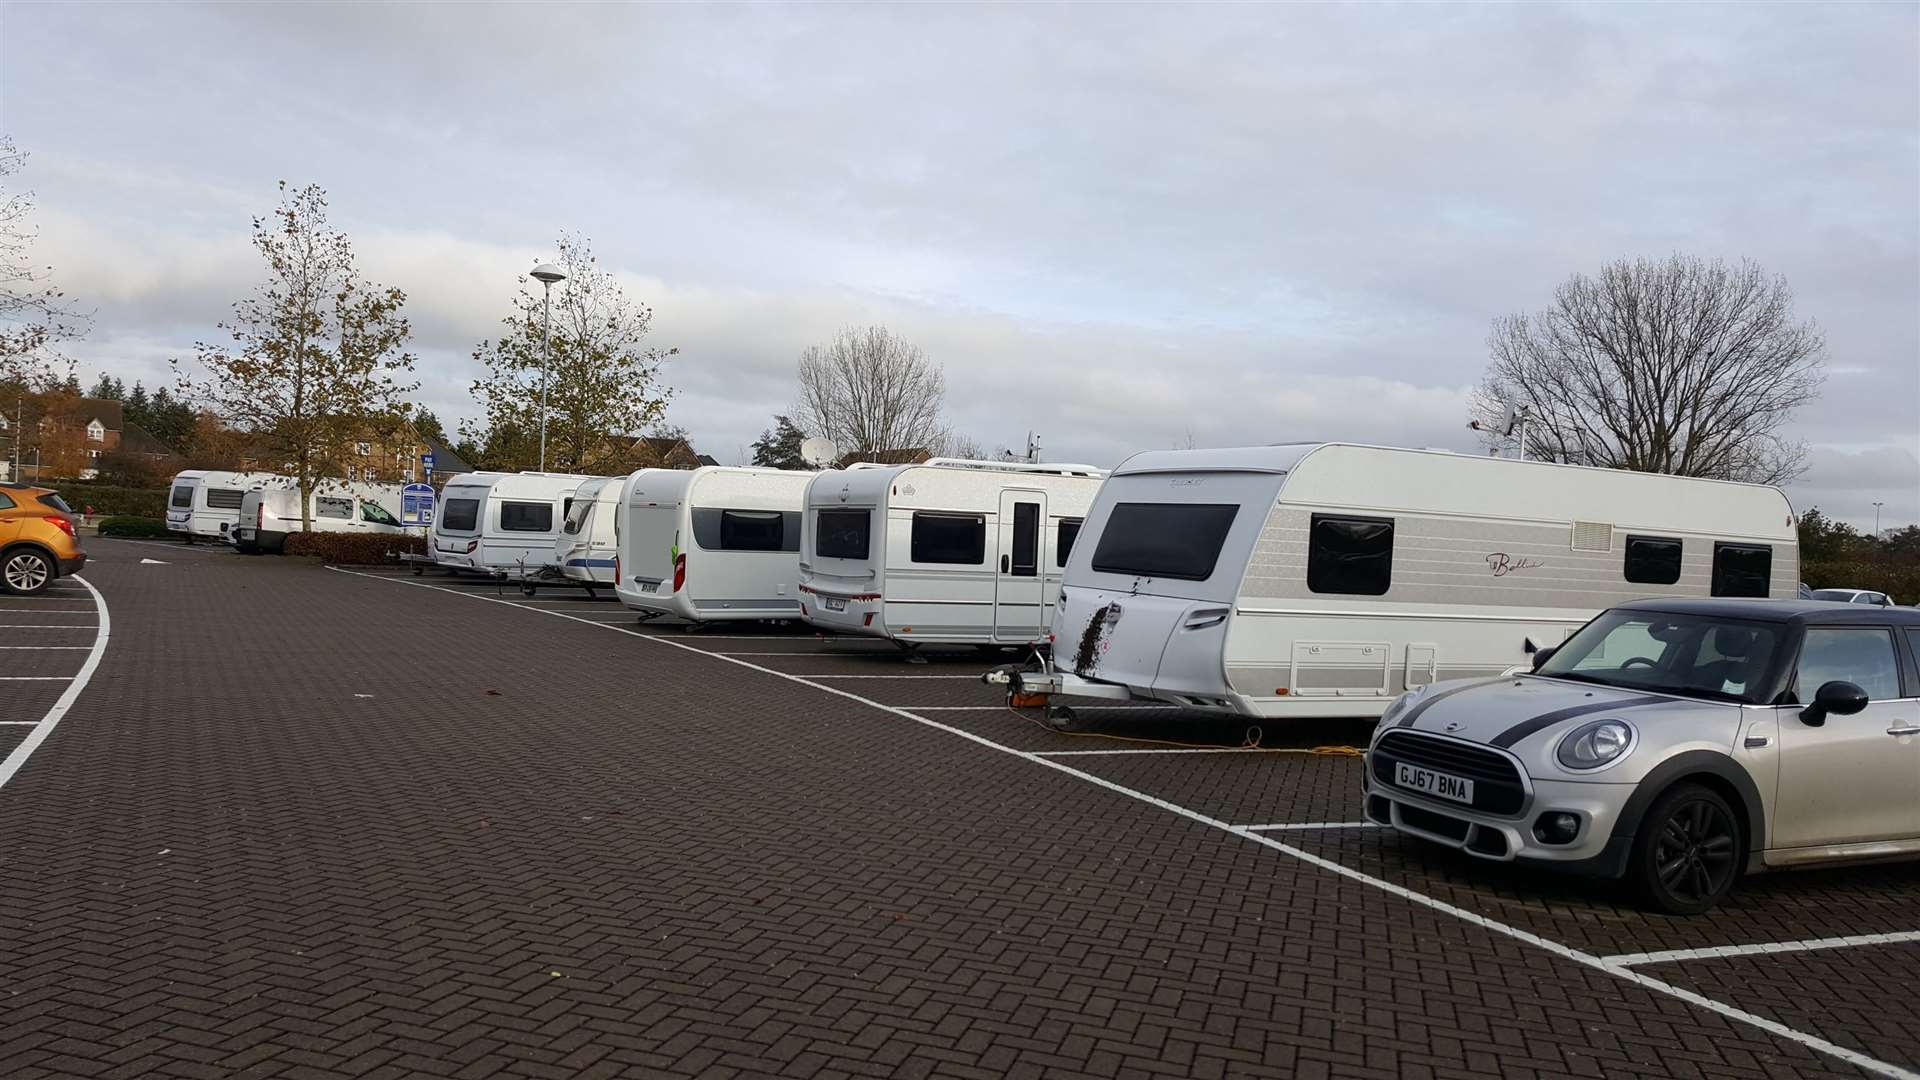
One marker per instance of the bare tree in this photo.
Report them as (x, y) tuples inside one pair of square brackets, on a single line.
[(605, 387), (1685, 365), (34, 315), (868, 390), (316, 352)]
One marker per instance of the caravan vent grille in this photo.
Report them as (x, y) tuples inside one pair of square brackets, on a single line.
[(225, 498), (1592, 536)]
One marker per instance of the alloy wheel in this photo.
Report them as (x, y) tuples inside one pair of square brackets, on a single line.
[(1696, 851), (26, 572)]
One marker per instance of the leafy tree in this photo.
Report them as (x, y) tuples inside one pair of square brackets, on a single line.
[(604, 386), (167, 418), (1822, 539), (316, 353), (136, 402), (778, 447), (869, 390), (108, 388), (428, 425), (1686, 366), (34, 315)]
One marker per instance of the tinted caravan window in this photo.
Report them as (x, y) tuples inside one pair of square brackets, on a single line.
[(1653, 560), (717, 529), (1069, 532), (526, 517), (1173, 540), (1352, 555), (1741, 569), (949, 538), (183, 497), (841, 534), (1025, 556), (460, 515)]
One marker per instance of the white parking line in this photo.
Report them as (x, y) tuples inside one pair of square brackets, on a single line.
[(55, 648), (1474, 918), (1175, 750), (75, 685), (1716, 952), (48, 626), (1310, 826), (974, 678), (35, 678)]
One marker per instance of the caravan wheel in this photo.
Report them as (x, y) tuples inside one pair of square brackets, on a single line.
[(526, 590)]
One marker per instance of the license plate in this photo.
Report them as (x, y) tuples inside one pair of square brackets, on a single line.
[(833, 603), (1426, 781), (650, 586)]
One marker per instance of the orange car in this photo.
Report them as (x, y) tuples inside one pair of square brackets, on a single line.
[(37, 539)]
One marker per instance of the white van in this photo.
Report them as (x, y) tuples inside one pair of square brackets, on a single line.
[(950, 551), (715, 543), (1325, 579), (585, 550), (272, 510), (502, 523), (205, 503)]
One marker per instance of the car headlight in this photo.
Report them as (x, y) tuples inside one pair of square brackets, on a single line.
[(1399, 706), (1593, 745)]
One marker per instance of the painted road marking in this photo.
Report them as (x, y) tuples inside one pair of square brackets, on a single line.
[(1715, 952), (1305, 826), (75, 685), (1474, 918)]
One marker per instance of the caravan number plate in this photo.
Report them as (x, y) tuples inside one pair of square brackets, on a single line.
[(833, 603), (1457, 788), (650, 586)]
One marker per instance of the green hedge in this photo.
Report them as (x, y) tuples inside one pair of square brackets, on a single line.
[(1900, 580), (353, 549), (134, 526), (111, 501)]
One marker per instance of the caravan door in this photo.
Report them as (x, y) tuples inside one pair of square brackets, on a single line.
[(1019, 603)]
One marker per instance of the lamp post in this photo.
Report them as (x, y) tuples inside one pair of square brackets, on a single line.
[(1876, 518), (546, 274)]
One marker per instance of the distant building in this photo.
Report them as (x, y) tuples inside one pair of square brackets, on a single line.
[(64, 436)]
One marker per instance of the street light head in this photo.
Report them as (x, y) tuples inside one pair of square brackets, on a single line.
[(547, 273)]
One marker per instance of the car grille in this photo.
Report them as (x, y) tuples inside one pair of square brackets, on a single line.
[(1497, 788)]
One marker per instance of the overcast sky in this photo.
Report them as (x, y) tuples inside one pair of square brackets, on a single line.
[(1118, 226)]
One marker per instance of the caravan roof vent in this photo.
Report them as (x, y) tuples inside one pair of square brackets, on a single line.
[(1592, 536)]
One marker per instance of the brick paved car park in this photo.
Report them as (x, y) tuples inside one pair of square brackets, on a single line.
[(302, 822)]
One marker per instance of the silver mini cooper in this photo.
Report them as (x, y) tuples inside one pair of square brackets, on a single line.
[(1676, 743)]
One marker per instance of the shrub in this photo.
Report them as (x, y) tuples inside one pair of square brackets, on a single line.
[(353, 549), (112, 500), (1897, 578), (134, 526)]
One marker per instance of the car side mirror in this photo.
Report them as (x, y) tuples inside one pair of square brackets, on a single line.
[(1839, 698), (1541, 656)]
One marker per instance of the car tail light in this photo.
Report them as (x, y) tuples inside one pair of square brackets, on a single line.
[(471, 545), (679, 571), (260, 517), (616, 568), (59, 521)]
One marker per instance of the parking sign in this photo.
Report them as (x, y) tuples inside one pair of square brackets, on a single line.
[(416, 504)]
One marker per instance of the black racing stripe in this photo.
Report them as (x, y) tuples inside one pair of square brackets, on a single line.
[(1514, 734), (1431, 699)]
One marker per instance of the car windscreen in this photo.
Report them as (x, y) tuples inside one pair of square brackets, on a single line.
[(1172, 540), (841, 534), (1702, 655), (460, 515)]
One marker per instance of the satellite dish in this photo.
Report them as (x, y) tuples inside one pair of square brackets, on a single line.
[(819, 453)]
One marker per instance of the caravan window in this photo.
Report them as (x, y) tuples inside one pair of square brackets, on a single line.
[(338, 509), (1173, 540), (960, 539), (183, 497), (526, 517), (225, 498), (1025, 556), (1352, 555), (377, 514), (1653, 560), (717, 529), (460, 515), (576, 517), (841, 534), (1741, 569), (1063, 546)]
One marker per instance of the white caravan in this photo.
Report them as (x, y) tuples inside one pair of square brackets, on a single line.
[(713, 543), (205, 503), (951, 551), (502, 523), (269, 511), (585, 550), (1326, 579)]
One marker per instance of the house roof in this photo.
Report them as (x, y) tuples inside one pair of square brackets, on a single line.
[(709, 459), (105, 410), (445, 461), (912, 455)]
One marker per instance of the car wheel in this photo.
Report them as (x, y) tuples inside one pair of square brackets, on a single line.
[(1687, 854), (26, 572)]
